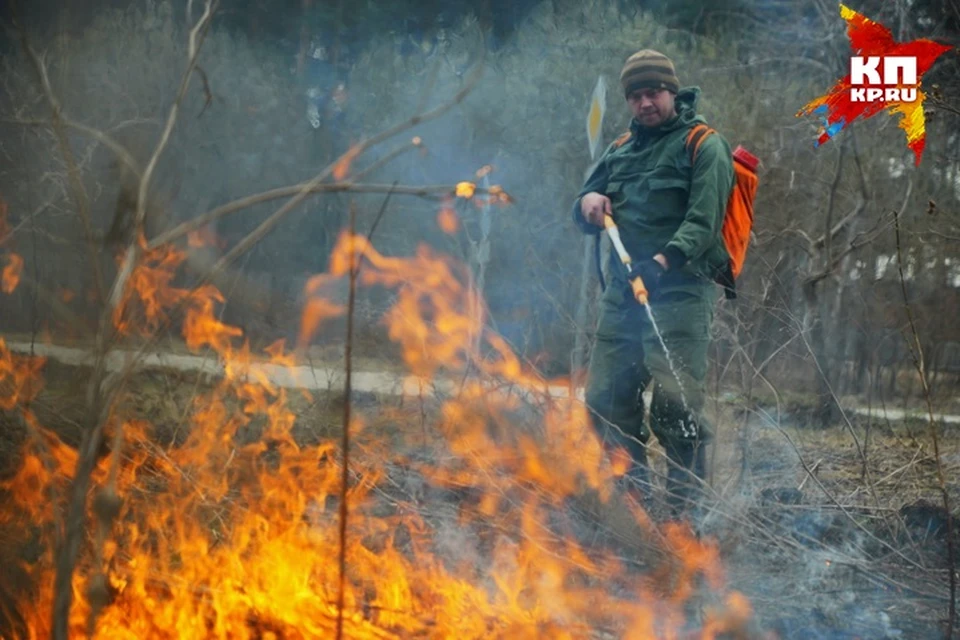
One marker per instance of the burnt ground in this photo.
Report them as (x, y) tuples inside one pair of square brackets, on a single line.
[(857, 550)]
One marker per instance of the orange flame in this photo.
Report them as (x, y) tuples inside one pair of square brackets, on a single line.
[(229, 535), (318, 307), (11, 273), (342, 168), (149, 296), (485, 170), (20, 379), (205, 236), (499, 196), (465, 189), (447, 220), (150, 286)]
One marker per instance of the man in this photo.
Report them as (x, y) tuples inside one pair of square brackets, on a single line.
[(669, 215)]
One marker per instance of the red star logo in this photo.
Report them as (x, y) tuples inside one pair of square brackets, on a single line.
[(869, 38)]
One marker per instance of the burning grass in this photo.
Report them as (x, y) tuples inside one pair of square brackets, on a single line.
[(214, 514)]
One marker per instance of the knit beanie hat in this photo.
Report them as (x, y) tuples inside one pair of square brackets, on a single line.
[(648, 69)]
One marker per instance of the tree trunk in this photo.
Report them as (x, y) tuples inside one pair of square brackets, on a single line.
[(825, 409)]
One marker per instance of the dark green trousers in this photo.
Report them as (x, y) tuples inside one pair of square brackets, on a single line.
[(628, 356)]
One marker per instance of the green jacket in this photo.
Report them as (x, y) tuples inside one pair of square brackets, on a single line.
[(661, 203)]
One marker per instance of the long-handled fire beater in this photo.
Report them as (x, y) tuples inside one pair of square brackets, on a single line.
[(636, 282)]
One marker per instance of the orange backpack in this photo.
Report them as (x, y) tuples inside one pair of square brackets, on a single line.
[(738, 217)]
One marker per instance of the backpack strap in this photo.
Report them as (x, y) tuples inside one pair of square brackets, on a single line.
[(695, 137)]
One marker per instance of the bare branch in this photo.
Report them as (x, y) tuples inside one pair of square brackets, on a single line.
[(390, 157), (78, 193), (99, 400), (861, 239), (207, 93), (132, 255), (99, 135), (809, 471), (29, 217), (807, 245), (195, 43), (267, 225), (862, 199), (916, 353), (282, 192)]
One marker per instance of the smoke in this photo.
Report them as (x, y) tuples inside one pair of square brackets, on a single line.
[(807, 565)]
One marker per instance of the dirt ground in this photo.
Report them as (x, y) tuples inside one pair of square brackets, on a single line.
[(831, 533), (841, 532)]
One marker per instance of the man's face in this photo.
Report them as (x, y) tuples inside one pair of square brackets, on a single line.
[(651, 107)]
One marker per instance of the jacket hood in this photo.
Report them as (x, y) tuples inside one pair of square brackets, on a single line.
[(685, 104)]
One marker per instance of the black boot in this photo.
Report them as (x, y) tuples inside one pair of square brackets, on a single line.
[(635, 483), (685, 473)]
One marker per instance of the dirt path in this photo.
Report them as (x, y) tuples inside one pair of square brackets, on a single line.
[(330, 378)]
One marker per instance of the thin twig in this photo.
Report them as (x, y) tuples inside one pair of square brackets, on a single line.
[(376, 221), (183, 229), (207, 93), (345, 439), (916, 354), (193, 224), (78, 193), (132, 255), (813, 470), (345, 442), (8, 237), (843, 414), (194, 46), (101, 136), (810, 473), (267, 225), (389, 157)]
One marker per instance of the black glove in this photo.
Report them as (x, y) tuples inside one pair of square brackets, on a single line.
[(650, 271)]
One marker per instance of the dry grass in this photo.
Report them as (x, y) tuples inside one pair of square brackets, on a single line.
[(830, 552)]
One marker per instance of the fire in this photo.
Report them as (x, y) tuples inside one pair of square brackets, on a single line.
[(20, 378), (11, 273), (150, 286), (342, 168), (204, 237), (465, 189), (499, 196), (10, 276), (318, 307), (447, 220), (224, 535), (150, 295)]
